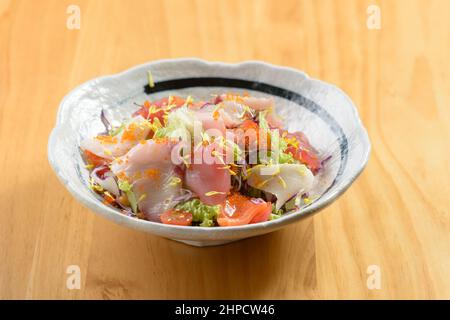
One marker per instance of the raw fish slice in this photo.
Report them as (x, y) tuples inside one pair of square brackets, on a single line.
[(105, 178), (230, 112), (157, 194), (210, 180), (147, 154), (210, 123), (258, 104), (233, 113), (110, 147), (274, 120), (155, 179), (282, 180)]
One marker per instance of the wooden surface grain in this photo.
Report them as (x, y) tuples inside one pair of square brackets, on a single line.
[(396, 215)]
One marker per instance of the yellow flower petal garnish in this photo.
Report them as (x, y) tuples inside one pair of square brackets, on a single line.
[(213, 193), (151, 83), (174, 181)]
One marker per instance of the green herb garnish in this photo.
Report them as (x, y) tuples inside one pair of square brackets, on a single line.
[(126, 187), (201, 213)]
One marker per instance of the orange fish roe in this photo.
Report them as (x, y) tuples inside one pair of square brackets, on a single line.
[(106, 139), (152, 173), (129, 134), (137, 175), (216, 114), (122, 175), (161, 140)]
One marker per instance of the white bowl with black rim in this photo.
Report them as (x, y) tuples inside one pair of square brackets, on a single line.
[(322, 111)]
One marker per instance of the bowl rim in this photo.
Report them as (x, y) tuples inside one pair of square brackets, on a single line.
[(181, 231)]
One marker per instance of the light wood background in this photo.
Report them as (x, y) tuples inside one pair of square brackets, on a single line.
[(395, 216)]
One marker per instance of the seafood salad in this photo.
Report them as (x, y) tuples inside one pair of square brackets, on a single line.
[(222, 162)]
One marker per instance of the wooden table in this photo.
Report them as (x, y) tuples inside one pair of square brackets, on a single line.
[(396, 216)]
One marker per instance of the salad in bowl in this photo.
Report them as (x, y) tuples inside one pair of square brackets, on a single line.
[(207, 152), (226, 161)]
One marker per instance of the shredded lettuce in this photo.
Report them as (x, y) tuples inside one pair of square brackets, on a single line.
[(276, 213), (201, 213), (288, 206), (237, 152), (286, 158), (228, 144), (263, 124), (116, 130), (275, 138), (291, 204), (161, 132), (283, 157), (126, 187), (180, 125), (274, 216)]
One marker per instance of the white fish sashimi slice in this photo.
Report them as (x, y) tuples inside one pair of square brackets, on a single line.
[(108, 182), (273, 119), (145, 155), (282, 180), (233, 113), (149, 167), (229, 112), (210, 124), (157, 194), (235, 108), (109, 147), (256, 103)]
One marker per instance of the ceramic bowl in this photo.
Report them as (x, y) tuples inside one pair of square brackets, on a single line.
[(322, 111)]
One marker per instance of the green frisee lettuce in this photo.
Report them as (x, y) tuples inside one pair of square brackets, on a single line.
[(201, 213), (276, 139), (126, 187)]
